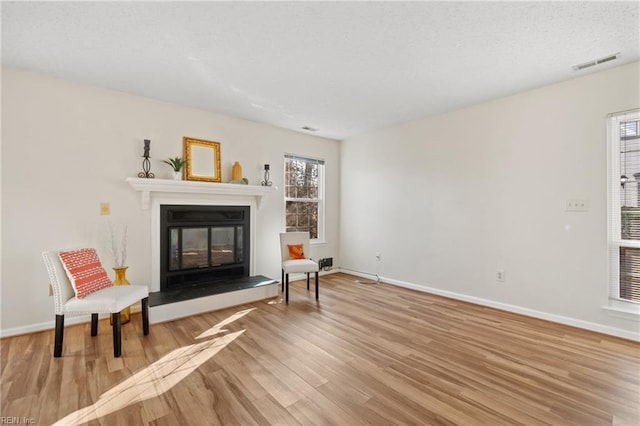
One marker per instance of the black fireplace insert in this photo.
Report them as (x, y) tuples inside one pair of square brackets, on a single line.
[(203, 245)]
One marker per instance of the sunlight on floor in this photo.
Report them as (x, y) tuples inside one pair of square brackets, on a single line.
[(218, 327), (160, 376)]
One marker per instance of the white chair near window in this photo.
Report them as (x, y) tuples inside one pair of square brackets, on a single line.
[(108, 298), (294, 247)]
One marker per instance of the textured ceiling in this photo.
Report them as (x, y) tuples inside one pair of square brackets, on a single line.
[(341, 67)]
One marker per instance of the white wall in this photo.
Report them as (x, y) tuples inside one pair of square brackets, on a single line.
[(448, 200), (68, 147)]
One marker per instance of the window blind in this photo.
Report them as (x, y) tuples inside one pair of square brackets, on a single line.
[(305, 159), (629, 274)]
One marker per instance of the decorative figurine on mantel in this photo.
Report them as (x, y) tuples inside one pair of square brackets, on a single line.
[(236, 175), (266, 181), (146, 164)]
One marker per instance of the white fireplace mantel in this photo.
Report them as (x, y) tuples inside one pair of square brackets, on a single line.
[(155, 193), (149, 187)]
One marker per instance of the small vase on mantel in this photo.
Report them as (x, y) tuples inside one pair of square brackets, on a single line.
[(121, 279), (236, 172), (177, 175)]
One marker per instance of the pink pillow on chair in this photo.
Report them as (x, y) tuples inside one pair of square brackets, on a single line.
[(84, 271)]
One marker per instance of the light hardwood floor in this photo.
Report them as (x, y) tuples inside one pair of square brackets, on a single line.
[(365, 354)]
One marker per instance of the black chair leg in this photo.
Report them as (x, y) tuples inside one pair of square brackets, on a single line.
[(286, 291), (57, 347), (94, 324), (282, 280), (117, 337), (307, 281), (317, 285), (145, 316)]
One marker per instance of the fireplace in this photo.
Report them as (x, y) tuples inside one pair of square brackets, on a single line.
[(203, 245)]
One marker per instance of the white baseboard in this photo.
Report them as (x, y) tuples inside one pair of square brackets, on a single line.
[(47, 325), (612, 331), (359, 274)]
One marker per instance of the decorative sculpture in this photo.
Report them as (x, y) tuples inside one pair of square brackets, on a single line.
[(146, 164), (266, 181)]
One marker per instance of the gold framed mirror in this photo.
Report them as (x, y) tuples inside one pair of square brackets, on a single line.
[(203, 160)]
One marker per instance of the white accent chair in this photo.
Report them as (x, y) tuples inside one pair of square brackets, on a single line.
[(109, 300), (296, 265)]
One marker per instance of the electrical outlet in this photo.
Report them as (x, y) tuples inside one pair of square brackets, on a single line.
[(500, 275)]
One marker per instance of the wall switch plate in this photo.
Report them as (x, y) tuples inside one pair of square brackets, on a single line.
[(577, 205), (105, 209)]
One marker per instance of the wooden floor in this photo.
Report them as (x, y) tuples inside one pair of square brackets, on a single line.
[(365, 354)]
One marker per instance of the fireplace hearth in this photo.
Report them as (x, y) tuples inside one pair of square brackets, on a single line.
[(203, 246)]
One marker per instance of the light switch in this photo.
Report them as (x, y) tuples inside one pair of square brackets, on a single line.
[(104, 209), (577, 205)]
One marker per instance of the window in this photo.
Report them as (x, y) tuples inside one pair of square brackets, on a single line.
[(304, 192), (624, 206)]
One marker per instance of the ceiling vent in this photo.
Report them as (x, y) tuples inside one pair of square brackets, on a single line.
[(595, 62)]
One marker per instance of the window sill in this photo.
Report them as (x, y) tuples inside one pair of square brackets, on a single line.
[(317, 242), (624, 310)]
